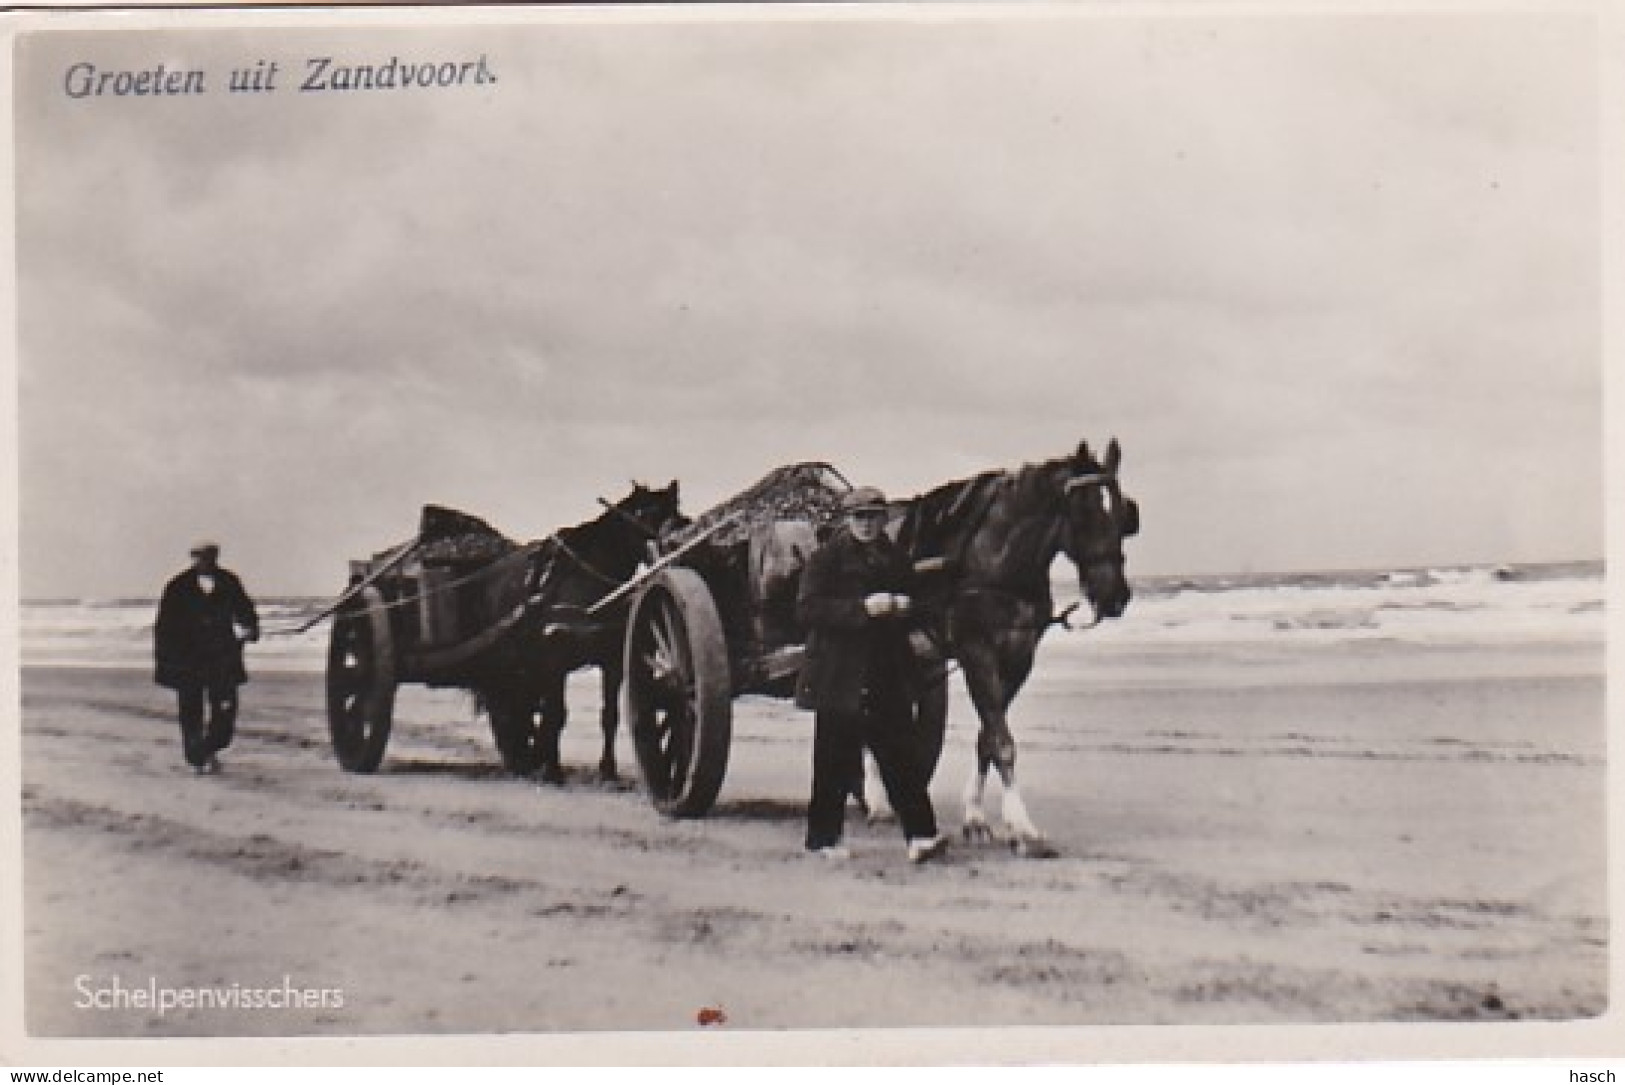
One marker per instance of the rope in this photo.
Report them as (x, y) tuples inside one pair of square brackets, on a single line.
[(957, 508), (404, 601), (642, 528), (449, 585), (586, 566), (1062, 619), (951, 665)]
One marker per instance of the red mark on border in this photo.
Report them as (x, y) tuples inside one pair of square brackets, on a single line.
[(711, 1016)]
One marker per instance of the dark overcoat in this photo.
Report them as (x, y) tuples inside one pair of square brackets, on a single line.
[(847, 650), (194, 639)]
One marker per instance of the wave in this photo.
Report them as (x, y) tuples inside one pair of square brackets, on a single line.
[(1453, 605), (119, 634)]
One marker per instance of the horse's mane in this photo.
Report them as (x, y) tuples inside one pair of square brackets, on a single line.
[(1036, 482), (591, 534), (933, 518), (939, 519), (607, 538)]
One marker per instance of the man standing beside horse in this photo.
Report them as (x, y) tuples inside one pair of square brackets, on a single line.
[(204, 618), (859, 678)]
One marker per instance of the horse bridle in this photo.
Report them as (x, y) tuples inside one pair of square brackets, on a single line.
[(564, 549), (1093, 478), (1124, 511)]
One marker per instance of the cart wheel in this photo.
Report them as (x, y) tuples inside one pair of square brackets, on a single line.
[(932, 720), (678, 701), (361, 682), (513, 725)]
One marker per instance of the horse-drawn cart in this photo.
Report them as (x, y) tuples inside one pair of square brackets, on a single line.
[(714, 616), (719, 618), (715, 619), (461, 606)]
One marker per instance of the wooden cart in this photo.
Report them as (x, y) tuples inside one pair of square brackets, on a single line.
[(438, 616), (715, 618), (461, 606)]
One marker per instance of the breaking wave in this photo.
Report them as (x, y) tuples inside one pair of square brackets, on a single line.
[(1437, 606)]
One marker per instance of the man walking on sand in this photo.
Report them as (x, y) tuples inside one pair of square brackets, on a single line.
[(859, 677), (204, 618)]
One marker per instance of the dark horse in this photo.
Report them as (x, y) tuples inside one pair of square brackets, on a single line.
[(568, 573), (995, 537)]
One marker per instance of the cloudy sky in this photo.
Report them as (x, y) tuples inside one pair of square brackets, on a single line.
[(1333, 280)]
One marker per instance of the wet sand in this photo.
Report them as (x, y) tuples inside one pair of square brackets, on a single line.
[(1349, 834)]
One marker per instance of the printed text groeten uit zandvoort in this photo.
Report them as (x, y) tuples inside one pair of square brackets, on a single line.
[(318, 74)]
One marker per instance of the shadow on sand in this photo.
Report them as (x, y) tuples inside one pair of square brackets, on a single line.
[(463, 770), (758, 810)]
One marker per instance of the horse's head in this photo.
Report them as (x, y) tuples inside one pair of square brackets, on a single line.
[(648, 512), (1098, 518)]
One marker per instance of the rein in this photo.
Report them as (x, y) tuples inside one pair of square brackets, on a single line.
[(950, 664), (585, 565), (641, 528), (1062, 618), (613, 582), (393, 604)]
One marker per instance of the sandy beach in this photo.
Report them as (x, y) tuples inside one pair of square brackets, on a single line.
[(1363, 832), (1296, 318)]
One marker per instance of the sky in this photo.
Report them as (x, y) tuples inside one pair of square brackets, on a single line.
[(1332, 280)]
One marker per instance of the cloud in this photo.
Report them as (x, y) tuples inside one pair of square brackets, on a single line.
[(1278, 252)]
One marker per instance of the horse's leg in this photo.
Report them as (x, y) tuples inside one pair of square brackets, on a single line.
[(981, 670), (610, 715), (553, 717), (1025, 836)]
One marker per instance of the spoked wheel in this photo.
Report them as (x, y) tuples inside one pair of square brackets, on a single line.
[(677, 698), (514, 726), (361, 682)]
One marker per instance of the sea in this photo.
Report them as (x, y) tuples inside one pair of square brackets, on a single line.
[(1467, 605)]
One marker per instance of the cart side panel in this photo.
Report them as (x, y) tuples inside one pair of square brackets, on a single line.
[(778, 555), (458, 600), (755, 581), (437, 606)]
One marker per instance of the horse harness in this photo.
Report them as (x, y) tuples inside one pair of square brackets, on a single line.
[(970, 505)]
